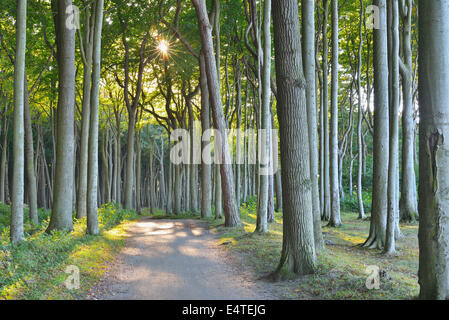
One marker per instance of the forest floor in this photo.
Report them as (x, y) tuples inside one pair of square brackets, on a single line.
[(342, 266), (185, 258), (176, 260), (159, 257)]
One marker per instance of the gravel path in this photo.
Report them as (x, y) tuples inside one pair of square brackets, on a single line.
[(176, 260)]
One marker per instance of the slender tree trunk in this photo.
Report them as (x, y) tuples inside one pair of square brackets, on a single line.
[(360, 119), (335, 219), (92, 180), (3, 177), (118, 162), (393, 166), (206, 169), (325, 111), (377, 234), (265, 132), (298, 250), (408, 203), (16, 230), (81, 210), (138, 172), (29, 153), (308, 38), (231, 211), (130, 161)]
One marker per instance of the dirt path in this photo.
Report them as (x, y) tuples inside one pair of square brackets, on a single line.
[(176, 260)]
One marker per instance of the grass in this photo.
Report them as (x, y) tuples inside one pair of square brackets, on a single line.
[(35, 269), (341, 268)]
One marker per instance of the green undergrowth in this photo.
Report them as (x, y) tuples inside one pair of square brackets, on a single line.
[(341, 268), (35, 269)]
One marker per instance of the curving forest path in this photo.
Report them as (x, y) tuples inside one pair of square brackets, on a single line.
[(176, 260)]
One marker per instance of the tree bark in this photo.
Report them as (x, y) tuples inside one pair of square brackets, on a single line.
[(434, 149), (335, 220), (376, 237), (308, 38), (231, 211), (393, 165), (61, 218), (18, 188), (206, 169), (265, 139), (360, 118), (298, 249), (87, 48), (92, 180), (325, 112), (408, 203), (29, 153)]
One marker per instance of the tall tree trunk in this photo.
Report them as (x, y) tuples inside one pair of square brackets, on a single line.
[(376, 237), (308, 38), (265, 125), (393, 165), (231, 211), (87, 48), (16, 230), (92, 180), (61, 218), (360, 118), (325, 112), (408, 204), (335, 219), (434, 150), (298, 249)]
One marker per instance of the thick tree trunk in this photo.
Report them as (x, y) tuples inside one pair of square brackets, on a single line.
[(18, 188), (61, 218), (434, 149), (298, 250)]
